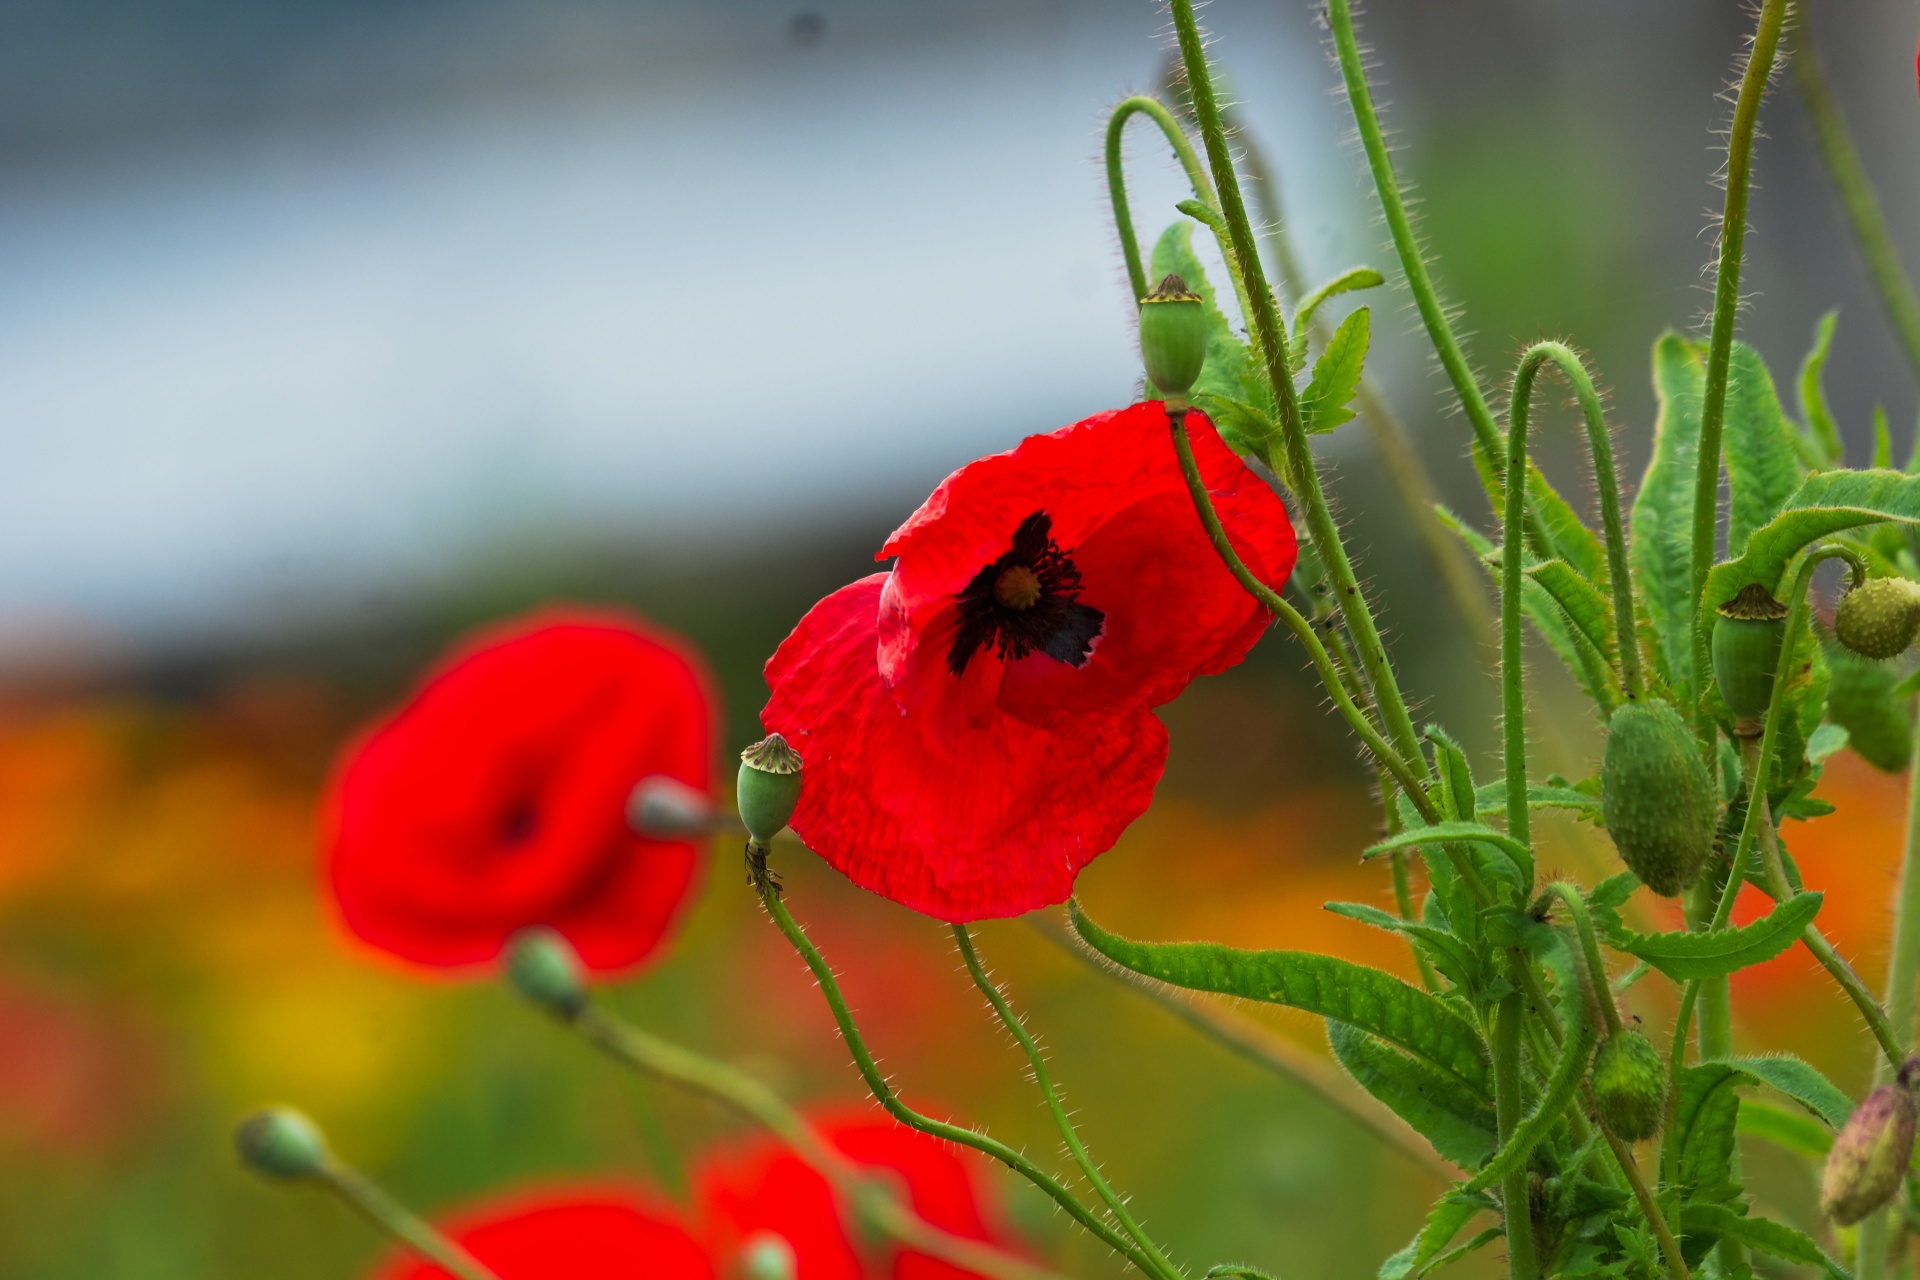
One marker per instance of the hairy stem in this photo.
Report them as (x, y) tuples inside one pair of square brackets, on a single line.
[(1513, 704), (390, 1216), (1726, 306), (1508, 1106), (1849, 176), (1903, 965), (1598, 992), (1295, 458)]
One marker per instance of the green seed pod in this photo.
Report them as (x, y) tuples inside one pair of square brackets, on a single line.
[(544, 967), (1860, 699), (1871, 1153), (766, 1255), (1656, 796), (1173, 338), (1878, 619), (769, 787), (1630, 1086), (281, 1143), (1746, 655)]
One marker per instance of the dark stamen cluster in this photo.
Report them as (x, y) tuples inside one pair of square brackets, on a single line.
[(1000, 606)]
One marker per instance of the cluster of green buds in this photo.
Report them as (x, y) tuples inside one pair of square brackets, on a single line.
[(1630, 1086), (1879, 619), (1656, 796), (1747, 639), (1871, 1153), (1173, 338)]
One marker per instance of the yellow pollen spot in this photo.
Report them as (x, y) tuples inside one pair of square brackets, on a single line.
[(1017, 587)]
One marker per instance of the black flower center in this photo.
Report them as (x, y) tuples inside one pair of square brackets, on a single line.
[(1027, 601)]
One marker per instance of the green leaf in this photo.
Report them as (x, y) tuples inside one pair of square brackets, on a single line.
[(1568, 1072), (1826, 740), (1366, 998), (1590, 612), (1481, 1238), (1800, 1082), (1460, 1126), (1448, 1215), (1662, 518), (1492, 800), (1518, 855), (1826, 503), (1763, 1234), (1447, 952), (1682, 956), (1822, 433), (1701, 1141), (1794, 1131), (1456, 775), (1762, 472), (1336, 375), (1347, 281)]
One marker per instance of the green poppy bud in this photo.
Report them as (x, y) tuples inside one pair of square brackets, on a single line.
[(1878, 619), (663, 808), (1630, 1086), (769, 787), (1656, 796), (766, 1255), (281, 1143), (1746, 655), (1860, 699), (1871, 1153), (1173, 338), (544, 967)]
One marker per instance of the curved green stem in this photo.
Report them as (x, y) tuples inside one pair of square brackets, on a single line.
[(1849, 176), (1726, 305), (1598, 992), (390, 1216), (1301, 628), (883, 1093), (1513, 706), (1068, 1134), (1903, 965), (1296, 459), (748, 1097), (1507, 1085)]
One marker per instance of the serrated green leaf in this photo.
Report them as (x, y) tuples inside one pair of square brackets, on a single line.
[(1826, 740), (1455, 774), (1826, 503), (1568, 1072), (1587, 608), (1566, 535), (1801, 1082), (1793, 1131), (1347, 281), (1823, 435), (1518, 855), (1336, 375), (1447, 952), (1460, 1127), (1762, 472), (1366, 998), (1700, 1142), (1448, 1215), (1491, 800), (1683, 956), (1661, 551), (1763, 1234), (1481, 1238)]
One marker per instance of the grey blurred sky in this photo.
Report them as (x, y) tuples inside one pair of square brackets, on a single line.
[(297, 299)]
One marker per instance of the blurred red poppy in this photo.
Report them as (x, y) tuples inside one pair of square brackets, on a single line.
[(765, 1195), (601, 1235), (494, 798), (977, 723)]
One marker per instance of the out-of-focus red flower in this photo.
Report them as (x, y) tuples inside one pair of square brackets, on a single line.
[(598, 1235), (765, 1190), (977, 723), (495, 797)]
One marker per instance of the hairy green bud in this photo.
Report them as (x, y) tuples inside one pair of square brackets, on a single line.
[(1747, 637), (1630, 1086), (1871, 1153), (1173, 338), (281, 1143), (769, 787), (544, 967), (1878, 619), (1860, 699), (1656, 796)]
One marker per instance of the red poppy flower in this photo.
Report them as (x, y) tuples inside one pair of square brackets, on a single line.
[(977, 723), (766, 1195), (596, 1236), (495, 797)]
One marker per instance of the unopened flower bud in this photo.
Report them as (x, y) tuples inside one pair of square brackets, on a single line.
[(1656, 796), (1746, 655), (1630, 1086), (544, 967), (664, 808), (1173, 338), (769, 787), (1878, 619), (1871, 1153), (766, 1255), (281, 1143)]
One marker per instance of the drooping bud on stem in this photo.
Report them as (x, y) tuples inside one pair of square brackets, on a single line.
[(664, 808), (281, 1143), (769, 787), (766, 1255), (1878, 619), (1747, 637), (1173, 338), (1630, 1086), (543, 966), (1656, 796), (1871, 1153)]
